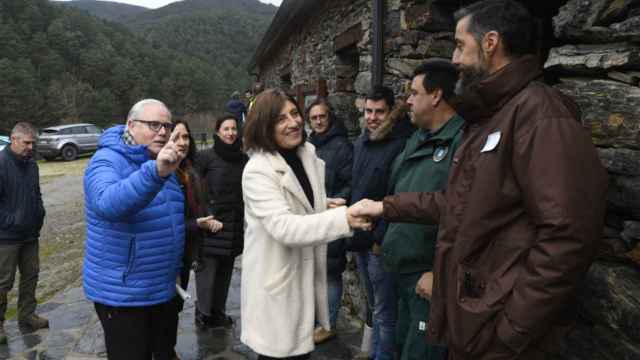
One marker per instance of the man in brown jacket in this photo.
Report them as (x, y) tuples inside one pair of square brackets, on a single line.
[(524, 207)]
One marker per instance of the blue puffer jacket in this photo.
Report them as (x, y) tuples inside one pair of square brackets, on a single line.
[(135, 226)]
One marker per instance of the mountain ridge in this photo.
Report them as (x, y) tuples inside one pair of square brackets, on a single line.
[(223, 33), (108, 10)]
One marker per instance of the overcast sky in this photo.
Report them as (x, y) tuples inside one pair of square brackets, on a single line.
[(153, 4)]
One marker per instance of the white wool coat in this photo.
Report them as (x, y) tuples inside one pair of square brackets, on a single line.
[(284, 276)]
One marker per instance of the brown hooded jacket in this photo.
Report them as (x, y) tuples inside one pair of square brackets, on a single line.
[(519, 222)]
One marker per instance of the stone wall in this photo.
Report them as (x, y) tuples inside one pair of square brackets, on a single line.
[(310, 54), (595, 59), (599, 66)]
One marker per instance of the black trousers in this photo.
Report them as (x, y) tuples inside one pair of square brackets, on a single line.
[(139, 333), (299, 357), (212, 284)]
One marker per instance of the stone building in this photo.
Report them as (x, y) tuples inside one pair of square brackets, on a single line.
[(590, 50)]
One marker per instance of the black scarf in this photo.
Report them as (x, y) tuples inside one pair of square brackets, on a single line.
[(294, 162), (231, 153)]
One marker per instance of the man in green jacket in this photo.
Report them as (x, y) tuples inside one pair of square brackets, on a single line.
[(408, 249)]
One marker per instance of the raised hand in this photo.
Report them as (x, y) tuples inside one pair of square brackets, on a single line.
[(333, 203), (169, 157), (367, 208)]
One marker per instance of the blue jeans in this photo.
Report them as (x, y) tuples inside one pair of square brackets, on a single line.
[(334, 293), (381, 298)]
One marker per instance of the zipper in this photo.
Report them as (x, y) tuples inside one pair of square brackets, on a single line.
[(131, 259)]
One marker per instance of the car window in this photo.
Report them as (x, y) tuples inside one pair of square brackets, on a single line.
[(94, 130), (78, 130), (49, 131), (66, 131)]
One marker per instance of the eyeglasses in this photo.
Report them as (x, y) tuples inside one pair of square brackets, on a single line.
[(156, 125)]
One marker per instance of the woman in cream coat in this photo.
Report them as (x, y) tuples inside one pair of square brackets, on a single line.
[(284, 289)]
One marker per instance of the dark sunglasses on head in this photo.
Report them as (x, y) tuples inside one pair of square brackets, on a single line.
[(156, 125)]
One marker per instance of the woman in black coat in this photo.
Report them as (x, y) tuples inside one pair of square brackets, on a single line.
[(329, 136), (221, 167)]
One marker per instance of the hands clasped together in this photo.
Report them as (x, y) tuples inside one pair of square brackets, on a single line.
[(360, 214), (209, 223)]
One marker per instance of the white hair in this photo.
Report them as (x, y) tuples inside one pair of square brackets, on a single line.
[(24, 128), (139, 106)]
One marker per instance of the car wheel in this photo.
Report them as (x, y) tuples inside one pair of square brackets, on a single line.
[(69, 152)]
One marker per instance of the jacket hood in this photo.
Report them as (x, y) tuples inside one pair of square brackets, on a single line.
[(112, 139), (337, 129), (235, 106), (395, 125), (484, 98)]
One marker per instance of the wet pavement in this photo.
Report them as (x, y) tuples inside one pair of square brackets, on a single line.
[(76, 334)]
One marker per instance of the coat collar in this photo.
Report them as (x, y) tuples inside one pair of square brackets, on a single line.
[(18, 160), (416, 147), (315, 171)]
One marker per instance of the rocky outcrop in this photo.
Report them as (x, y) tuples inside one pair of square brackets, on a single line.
[(624, 196), (609, 109), (597, 21), (621, 161), (610, 297), (593, 58), (599, 66)]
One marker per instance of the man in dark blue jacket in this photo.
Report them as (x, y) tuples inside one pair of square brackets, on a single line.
[(329, 136), (21, 217), (386, 131), (135, 234), (239, 110)]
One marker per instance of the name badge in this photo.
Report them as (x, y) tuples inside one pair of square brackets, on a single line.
[(492, 141)]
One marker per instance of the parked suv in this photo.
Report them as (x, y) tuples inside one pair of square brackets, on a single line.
[(68, 141)]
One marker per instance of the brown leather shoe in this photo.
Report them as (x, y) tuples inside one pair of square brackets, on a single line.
[(321, 335), (34, 321), (3, 335)]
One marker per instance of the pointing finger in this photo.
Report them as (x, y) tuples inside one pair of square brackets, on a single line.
[(173, 137)]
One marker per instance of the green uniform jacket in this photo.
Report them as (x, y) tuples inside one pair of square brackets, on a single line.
[(423, 166)]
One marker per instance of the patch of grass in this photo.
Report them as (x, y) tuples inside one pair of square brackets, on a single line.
[(51, 169)]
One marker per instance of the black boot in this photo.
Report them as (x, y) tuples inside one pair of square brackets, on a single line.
[(220, 319), (202, 321)]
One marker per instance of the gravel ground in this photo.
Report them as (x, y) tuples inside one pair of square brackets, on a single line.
[(63, 233)]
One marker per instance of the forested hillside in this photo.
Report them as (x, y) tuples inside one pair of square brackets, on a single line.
[(107, 10), (58, 64), (223, 33)]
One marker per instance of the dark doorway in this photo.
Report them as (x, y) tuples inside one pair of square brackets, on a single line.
[(344, 97)]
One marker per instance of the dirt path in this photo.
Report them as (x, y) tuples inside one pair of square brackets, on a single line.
[(62, 236)]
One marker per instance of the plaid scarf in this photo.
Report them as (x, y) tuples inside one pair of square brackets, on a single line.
[(128, 139)]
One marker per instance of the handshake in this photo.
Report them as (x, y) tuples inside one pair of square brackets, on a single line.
[(360, 214)]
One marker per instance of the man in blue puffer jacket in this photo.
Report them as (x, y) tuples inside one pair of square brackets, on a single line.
[(135, 234)]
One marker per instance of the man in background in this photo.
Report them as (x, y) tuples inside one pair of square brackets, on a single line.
[(408, 250), (387, 129), (21, 217)]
